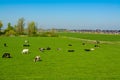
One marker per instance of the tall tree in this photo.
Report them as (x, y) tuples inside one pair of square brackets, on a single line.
[(20, 26), (10, 27), (32, 28), (1, 25)]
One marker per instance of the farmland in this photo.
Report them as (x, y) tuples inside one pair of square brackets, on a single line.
[(100, 64)]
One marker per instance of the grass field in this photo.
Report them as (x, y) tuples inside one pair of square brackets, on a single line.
[(101, 64), (101, 37)]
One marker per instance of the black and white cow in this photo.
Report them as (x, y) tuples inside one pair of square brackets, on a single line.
[(42, 49), (6, 55), (26, 43), (37, 58)]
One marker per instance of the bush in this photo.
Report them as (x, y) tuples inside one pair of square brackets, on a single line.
[(10, 33), (48, 34)]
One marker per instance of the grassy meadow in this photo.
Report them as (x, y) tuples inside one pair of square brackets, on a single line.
[(101, 64)]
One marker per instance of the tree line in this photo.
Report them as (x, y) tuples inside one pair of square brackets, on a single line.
[(19, 29)]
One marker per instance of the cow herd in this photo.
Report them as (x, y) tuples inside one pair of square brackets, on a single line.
[(24, 51), (38, 58)]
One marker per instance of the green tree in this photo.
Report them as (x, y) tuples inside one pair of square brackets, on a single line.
[(1, 25), (20, 26), (15, 28), (10, 27), (9, 30), (32, 28)]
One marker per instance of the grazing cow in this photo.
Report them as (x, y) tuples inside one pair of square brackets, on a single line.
[(26, 44), (5, 45), (42, 49), (37, 58), (71, 50), (6, 55), (69, 44), (25, 51)]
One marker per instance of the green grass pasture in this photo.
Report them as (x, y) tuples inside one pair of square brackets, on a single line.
[(101, 64), (90, 36)]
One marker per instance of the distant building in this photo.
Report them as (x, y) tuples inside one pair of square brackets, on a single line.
[(96, 31)]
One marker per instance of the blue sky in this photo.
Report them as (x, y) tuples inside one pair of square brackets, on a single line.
[(70, 14)]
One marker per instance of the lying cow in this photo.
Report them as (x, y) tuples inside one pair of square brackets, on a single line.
[(26, 45), (6, 55), (25, 51), (71, 50), (37, 58)]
